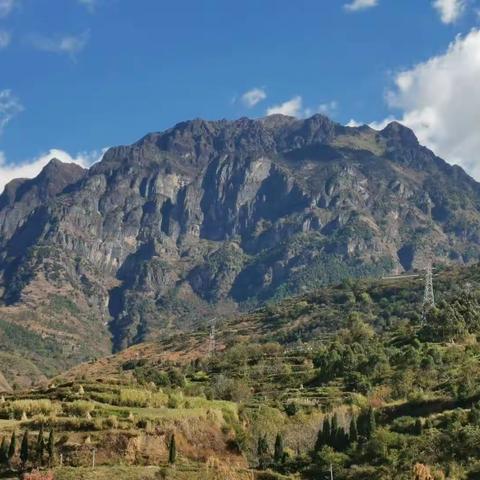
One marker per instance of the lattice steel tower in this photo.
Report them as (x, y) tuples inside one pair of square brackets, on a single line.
[(428, 296), (211, 341)]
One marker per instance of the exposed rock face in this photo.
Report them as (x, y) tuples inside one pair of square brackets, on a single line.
[(210, 215)]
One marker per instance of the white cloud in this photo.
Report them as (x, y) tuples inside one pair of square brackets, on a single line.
[(328, 108), (292, 107), (5, 39), (356, 5), (6, 7), (9, 107), (68, 44), (31, 168), (253, 97), (90, 5), (440, 101), (449, 10)]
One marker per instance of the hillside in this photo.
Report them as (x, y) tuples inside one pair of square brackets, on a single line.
[(212, 217), (282, 395)]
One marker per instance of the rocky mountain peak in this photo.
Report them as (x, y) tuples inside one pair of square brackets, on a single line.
[(213, 216), (400, 134)]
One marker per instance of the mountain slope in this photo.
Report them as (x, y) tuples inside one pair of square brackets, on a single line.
[(209, 216)]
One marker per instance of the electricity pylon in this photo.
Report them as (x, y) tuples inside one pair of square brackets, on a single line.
[(428, 295), (211, 340)]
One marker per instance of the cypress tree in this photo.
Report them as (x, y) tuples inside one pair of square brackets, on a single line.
[(333, 431), (13, 446), (4, 452), (172, 450), (327, 431), (418, 427), (51, 447), (24, 449), (319, 443), (353, 434), (40, 450), (279, 449), (262, 450), (371, 423)]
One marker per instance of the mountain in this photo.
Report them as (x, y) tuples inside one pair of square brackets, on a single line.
[(212, 216)]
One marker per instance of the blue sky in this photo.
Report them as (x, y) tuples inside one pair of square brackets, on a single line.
[(80, 75)]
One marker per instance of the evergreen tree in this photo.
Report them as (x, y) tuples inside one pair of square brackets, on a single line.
[(418, 427), (172, 450), (4, 452), (327, 431), (51, 447), (24, 453), (320, 442), (13, 446), (341, 440), (40, 450), (474, 414), (333, 431), (353, 434), (279, 453), (262, 451), (371, 422)]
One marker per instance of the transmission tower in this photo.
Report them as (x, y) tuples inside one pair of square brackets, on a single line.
[(428, 296), (211, 340)]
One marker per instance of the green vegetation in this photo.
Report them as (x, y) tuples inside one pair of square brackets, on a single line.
[(348, 378)]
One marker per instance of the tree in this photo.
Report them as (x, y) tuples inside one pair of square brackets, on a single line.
[(262, 451), (40, 450), (278, 455), (13, 447), (367, 423), (4, 452), (474, 414), (24, 453), (323, 435), (340, 442), (353, 434), (333, 431), (371, 422), (51, 447), (172, 450), (418, 427)]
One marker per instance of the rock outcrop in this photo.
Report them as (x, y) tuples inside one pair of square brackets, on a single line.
[(208, 217)]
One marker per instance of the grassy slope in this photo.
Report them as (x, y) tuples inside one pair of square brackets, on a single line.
[(266, 378)]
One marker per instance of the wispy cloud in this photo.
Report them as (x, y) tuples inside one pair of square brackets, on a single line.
[(450, 10), (6, 7), (328, 108), (356, 5), (31, 168), (10, 106), (295, 108), (5, 39), (90, 5), (66, 44), (253, 97)]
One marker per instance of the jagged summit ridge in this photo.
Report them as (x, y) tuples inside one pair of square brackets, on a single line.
[(211, 216)]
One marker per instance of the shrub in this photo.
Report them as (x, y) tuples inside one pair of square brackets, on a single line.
[(79, 408), (131, 397), (134, 397), (173, 401), (31, 407), (110, 422)]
